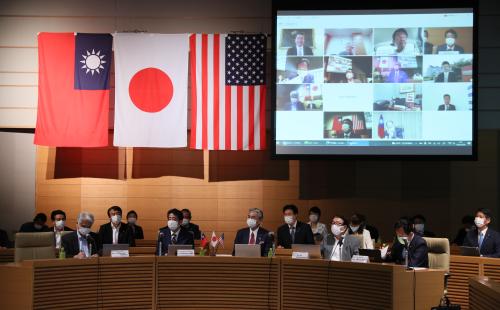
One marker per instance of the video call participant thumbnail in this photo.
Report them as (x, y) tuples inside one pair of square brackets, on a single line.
[(299, 49), (450, 46)]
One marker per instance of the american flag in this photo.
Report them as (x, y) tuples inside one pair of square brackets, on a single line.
[(357, 122), (221, 240), (228, 91)]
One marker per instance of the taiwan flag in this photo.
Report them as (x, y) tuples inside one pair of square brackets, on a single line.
[(381, 127), (73, 89)]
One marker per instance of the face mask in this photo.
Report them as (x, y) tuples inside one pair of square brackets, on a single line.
[(479, 221), (173, 225), (349, 76), (60, 224), (132, 220), (38, 226), (116, 219), (313, 218), (84, 231), (336, 230), (289, 219), (251, 223), (419, 228), (402, 240), (450, 41), (185, 222), (354, 228)]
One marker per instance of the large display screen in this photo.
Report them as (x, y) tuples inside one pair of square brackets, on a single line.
[(374, 82)]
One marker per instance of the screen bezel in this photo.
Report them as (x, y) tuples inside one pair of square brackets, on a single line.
[(360, 5)]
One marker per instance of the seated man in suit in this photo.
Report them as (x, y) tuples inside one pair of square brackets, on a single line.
[(132, 223), (347, 131), (299, 49), (419, 226), (58, 218), (38, 224), (397, 75), (416, 246), (254, 233), (447, 76), (116, 232), (339, 245), (293, 231), (174, 233), (191, 227), (447, 106), (450, 46), (81, 243), (485, 238)]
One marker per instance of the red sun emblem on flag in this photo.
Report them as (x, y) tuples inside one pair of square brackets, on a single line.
[(151, 90)]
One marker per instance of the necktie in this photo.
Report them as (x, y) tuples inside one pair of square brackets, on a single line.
[(481, 237), (252, 238), (174, 238), (292, 234)]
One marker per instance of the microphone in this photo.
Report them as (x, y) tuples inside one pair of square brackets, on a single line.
[(160, 236), (90, 241)]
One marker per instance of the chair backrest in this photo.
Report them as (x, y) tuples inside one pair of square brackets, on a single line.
[(439, 253), (34, 246)]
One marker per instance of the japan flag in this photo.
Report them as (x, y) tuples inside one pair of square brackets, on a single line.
[(151, 72)]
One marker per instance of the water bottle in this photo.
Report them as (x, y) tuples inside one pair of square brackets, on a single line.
[(62, 253)]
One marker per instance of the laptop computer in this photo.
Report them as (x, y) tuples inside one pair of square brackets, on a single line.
[(313, 249), (469, 251), (247, 250), (172, 248), (374, 255), (107, 248)]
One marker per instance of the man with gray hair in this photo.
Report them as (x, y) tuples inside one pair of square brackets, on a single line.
[(81, 243), (254, 233)]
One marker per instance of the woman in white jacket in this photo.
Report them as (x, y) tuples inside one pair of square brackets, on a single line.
[(357, 227)]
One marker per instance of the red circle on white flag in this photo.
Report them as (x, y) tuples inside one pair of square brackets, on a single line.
[(151, 90)]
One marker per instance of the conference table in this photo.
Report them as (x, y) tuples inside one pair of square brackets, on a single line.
[(462, 269), (149, 282)]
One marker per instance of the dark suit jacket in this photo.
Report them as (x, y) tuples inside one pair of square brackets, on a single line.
[(184, 238), (418, 252), (72, 246), (4, 239), (491, 242), (444, 47), (243, 235), (340, 134), (428, 48), (451, 77), (292, 51), (30, 227), (402, 77), (194, 230), (303, 235), (137, 231), (450, 108), (125, 235), (299, 106)]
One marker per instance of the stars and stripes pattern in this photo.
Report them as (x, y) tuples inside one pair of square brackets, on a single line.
[(357, 123), (228, 91)]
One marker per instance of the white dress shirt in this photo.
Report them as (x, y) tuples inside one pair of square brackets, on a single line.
[(58, 234), (483, 232), (300, 50), (254, 232), (83, 245), (116, 231), (337, 249)]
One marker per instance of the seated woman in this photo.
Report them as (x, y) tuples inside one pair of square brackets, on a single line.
[(357, 227)]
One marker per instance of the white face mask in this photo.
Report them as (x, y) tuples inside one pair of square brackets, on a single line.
[(479, 221), (289, 219), (132, 220), (84, 231), (450, 41), (354, 228), (336, 230), (116, 219), (251, 222), (419, 228), (313, 218), (185, 222), (349, 76), (173, 225), (60, 224)]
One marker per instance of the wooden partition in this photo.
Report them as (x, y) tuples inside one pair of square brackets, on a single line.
[(149, 282), (484, 293), (463, 268)]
